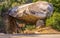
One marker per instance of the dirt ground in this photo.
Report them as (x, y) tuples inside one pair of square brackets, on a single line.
[(45, 30)]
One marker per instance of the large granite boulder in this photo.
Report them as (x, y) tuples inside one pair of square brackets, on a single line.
[(33, 12)]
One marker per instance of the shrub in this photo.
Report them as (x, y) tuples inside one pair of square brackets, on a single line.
[(30, 27), (54, 21)]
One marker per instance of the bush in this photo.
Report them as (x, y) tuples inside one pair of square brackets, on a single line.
[(54, 21), (30, 27)]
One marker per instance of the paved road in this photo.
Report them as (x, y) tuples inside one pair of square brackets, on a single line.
[(29, 36)]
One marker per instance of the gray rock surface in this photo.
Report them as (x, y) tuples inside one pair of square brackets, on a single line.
[(29, 13), (33, 11)]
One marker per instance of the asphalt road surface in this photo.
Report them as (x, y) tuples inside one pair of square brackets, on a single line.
[(29, 36)]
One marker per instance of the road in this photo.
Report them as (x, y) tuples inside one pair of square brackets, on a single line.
[(29, 36)]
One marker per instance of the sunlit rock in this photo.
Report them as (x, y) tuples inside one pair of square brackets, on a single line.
[(32, 12)]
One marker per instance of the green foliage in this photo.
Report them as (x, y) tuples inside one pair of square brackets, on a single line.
[(54, 21), (30, 27), (12, 3), (34, 0), (56, 4)]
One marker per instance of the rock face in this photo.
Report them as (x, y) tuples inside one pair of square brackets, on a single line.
[(33, 12)]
